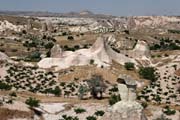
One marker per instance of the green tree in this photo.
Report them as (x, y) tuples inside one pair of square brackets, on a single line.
[(32, 102), (56, 91), (114, 99), (91, 118), (70, 38), (99, 113), (169, 111), (148, 73), (49, 45), (129, 65), (91, 61), (82, 90), (35, 56), (65, 117), (79, 110), (96, 85), (13, 94), (4, 86)]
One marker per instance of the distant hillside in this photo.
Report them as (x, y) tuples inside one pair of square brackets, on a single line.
[(85, 13)]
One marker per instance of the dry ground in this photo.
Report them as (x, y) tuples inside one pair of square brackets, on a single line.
[(6, 114)]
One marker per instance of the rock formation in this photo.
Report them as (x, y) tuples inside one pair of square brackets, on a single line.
[(127, 88), (6, 25), (141, 49), (100, 52), (127, 108), (44, 27), (29, 24), (56, 51), (50, 27), (3, 57)]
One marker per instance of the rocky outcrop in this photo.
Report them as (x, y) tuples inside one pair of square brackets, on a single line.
[(29, 24), (125, 111), (127, 108), (6, 25), (4, 57), (56, 51), (141, 49), (44, 27), (101, 53), (88, 24)]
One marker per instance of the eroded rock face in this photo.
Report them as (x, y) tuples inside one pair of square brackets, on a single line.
[(101, 52), (124, 110), (44, 27), (4, 57), (127, 108), (141, 49), (29, 24), (56, 51), (6, 25)]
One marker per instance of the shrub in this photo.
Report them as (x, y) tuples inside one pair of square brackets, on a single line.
[(10, 101), (148, 73), (129, 65), (174, 31), (65, 117), (2, 50), (76, 47), (91, 118), (14, 50), (126, 31), (82, 34), (35, 56), (82, 90), (79, 110), (24, 32), (114, 89), (62, 84), (32, 102), (99, 113), (13, 94), (70, 38), (144, 104), (159, 56), (64, 33), (48, 53), (96, 85), (166, 55), (30, 44), (4, 86), (49, 45), (56, 91), (91, 61), (114, 99), (169, 111)]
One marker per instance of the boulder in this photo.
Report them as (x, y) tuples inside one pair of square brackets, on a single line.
[(125, 110)]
